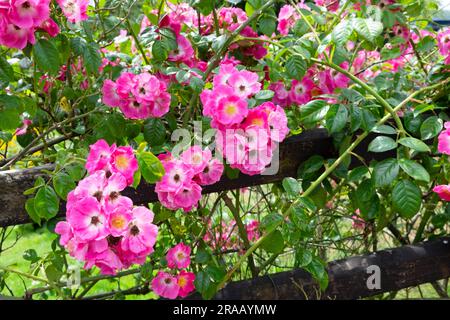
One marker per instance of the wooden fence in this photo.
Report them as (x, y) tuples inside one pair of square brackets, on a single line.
[(400, 268)]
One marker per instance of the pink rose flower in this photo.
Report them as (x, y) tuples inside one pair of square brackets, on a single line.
[(179, 256)]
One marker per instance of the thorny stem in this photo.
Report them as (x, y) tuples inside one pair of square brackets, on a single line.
[(241, 229), (138, 44)]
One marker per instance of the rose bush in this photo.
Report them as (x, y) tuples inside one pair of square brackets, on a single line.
[(97, 88)]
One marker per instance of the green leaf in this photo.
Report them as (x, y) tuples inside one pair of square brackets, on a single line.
[(274, 243), (336, 118), (357, 173), (47, 56), (313, 111), (154, 132), (29, 206), (91, 58), (311, 165), (271, 221), (318, 271), (204, 6), (30, 255), (169, 38), (319, 196), (196, 84), (9, 112), (146, 271), (365, 190), (367, 28), (406, 198), (216, 273), (76, 171), (6, 73), (342, 32), (431, 127), (300, 28), (303, 257), (63, 184), (366, 199), (307, 203), (46, 203), (384, 129), (382, 144), (291, 186), (159, 51), (385, 172), (202, 256), (414, 144), (151, 168), (368, 120), (296, 67), (264, 95), (267, 25), (202, 283), (414, 170)]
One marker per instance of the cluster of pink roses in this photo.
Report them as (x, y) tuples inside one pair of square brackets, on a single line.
[(103, 228), (19, 19), (179, 15), (245, 137), (138, 96), (180, 188), (326, 82), (171, 286), (230, 19), (226, 237)]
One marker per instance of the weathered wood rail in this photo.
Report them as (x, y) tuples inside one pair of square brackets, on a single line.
[(400, 268), (293, 152)]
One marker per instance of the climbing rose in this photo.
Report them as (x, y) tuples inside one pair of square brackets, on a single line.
[(138, 96), (165, 285), (179, 256), (444, 140), (443, 192), (29, 13), (74, 10), (13, 36), (112, 159), (103, 228), (23, 130), (180, 187), (185, 281)]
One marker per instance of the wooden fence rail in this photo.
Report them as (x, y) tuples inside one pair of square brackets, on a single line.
[(292, 152), (400, 268)]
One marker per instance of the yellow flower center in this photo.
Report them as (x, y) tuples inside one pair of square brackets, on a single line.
[(180, 255), (182, 281), (197, 158), (122, 162), (258, 122), (118, 222), (231, 109)]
